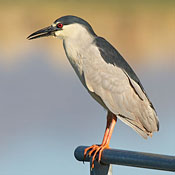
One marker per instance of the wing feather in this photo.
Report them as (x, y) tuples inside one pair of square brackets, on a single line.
[(121, 91)]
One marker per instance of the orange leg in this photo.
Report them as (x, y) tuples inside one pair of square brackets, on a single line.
[(111, 121)]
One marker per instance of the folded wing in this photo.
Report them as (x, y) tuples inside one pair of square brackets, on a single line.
[(121, 91)]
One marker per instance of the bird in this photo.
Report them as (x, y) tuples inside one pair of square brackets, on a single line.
[(107, 77)]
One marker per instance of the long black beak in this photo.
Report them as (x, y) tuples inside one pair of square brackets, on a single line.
[(47, 31)]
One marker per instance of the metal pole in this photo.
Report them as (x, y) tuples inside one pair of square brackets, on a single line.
[(100, 169), (131, 158)]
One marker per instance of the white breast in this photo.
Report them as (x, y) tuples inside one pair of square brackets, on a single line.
[(75, 58)]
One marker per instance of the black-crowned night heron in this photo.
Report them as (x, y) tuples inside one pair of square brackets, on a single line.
[(107, 77)]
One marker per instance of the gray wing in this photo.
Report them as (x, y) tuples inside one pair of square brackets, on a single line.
[(112, 56), (113, 80)]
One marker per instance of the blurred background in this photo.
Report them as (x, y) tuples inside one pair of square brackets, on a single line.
[(45, 112)]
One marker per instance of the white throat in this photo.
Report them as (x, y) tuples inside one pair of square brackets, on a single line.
[(76, 40)]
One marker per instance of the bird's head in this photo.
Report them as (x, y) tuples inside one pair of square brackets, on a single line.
[(65, 27)]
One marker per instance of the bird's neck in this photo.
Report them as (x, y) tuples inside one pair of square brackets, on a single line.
[(80, 40), (75, 46), (76, 49)]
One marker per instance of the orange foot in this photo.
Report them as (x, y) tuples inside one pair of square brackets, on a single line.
[(95, 149)]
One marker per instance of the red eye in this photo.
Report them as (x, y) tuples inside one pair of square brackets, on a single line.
[(59, 25)]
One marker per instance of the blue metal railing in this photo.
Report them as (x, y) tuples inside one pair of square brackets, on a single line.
[(131, 158)]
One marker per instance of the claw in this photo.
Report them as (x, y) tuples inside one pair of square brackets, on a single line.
[(92, 150), (96, 149), (86, 150)]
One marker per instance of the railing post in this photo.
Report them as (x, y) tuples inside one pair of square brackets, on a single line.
[(100, 169)]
